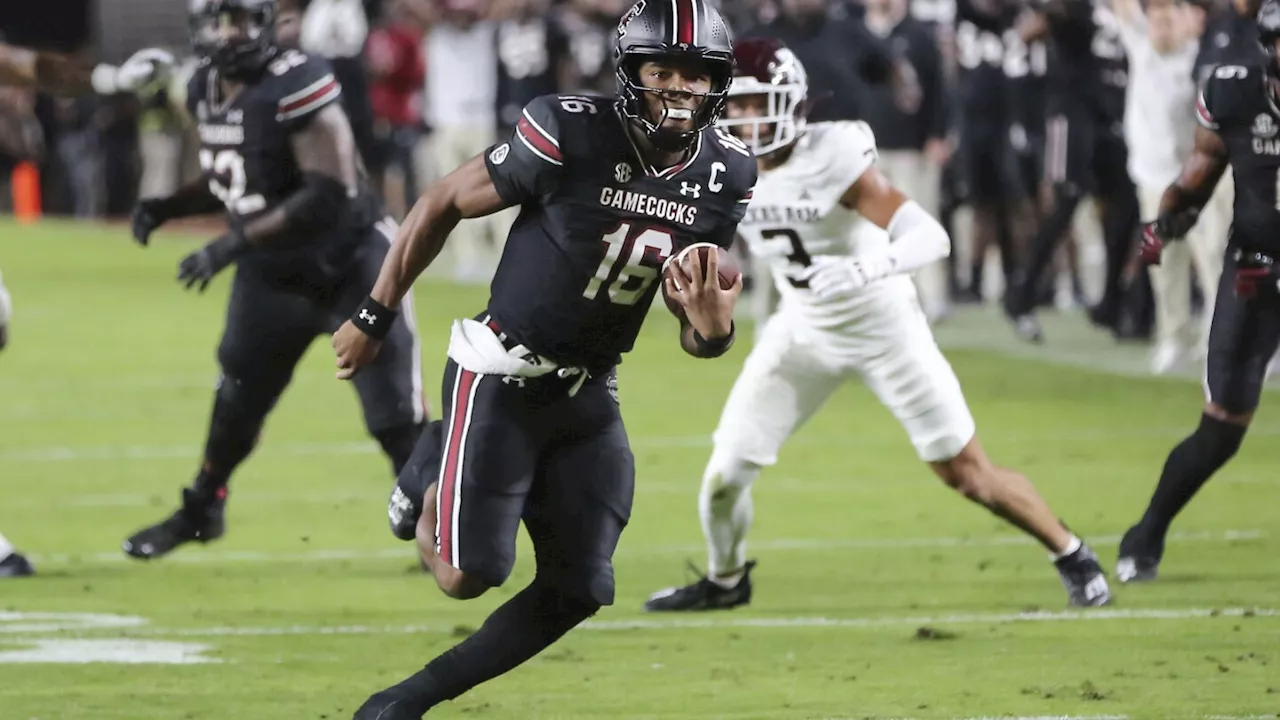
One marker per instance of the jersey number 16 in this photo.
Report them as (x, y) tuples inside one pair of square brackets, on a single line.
[(632, 261)]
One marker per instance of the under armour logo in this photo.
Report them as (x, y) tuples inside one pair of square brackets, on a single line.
[(368, 317), (693, 189), (513, 380)]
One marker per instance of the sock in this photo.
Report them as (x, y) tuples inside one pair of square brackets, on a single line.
[(728, 582), (6, 549), (524, 626), (726, 510), (234, 426), (1189, 466), (1072, 545)]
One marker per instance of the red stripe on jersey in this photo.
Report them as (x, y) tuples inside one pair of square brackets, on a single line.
[(310, 98), (1203, 112), (538, 139), (685, 10)]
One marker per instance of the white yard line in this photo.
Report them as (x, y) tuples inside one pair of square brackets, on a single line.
[(197, 556), (80, 453), (713, 623)]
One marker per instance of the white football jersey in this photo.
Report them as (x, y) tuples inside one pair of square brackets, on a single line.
[(795, 215)]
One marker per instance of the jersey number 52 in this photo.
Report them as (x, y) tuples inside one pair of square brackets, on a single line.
[(228, 181), (632, 261)]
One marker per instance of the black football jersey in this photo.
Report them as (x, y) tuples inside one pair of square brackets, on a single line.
[(583, 260), (981, 35), (1236, 103), (1087, 59), (245, 150)]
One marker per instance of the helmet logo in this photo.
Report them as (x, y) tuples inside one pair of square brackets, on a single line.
[(629, 16)]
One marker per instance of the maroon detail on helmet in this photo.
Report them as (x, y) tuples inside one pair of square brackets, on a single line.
[(685, 21), (757, 57)]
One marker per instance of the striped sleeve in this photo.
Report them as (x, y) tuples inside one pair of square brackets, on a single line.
[(1203, 116), (527, 166), (306, 89)]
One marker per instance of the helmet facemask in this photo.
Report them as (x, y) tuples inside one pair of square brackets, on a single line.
[(634, 106), (784, 111)]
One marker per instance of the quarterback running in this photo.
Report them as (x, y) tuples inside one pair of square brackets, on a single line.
[(841, 241)]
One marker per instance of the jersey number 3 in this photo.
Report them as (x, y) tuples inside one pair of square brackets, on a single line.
[(632, 261)]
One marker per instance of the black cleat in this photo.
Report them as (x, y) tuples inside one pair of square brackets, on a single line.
[(405, 506), (704, 594), (1139, 557), (16, 566), (1083, 578), (387, 705), (199, 519)]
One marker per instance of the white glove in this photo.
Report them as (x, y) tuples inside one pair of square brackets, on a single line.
[(144, 70), (831, 276)]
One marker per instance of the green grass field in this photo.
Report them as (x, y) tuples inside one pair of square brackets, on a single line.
[(880, 594)]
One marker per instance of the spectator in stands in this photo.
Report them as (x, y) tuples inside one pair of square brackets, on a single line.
[(1160, 127), (841, 57), (909, 119), (337, 30), (533, 57), (461, 102), (589, 26), (20, 136), (394, 57)]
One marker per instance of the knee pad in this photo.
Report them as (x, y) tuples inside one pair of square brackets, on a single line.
[(726, 478), (246, 398)]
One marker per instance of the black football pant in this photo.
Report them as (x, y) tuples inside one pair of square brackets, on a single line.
[(270, 324), (524, 449), (1243, 337), (1083, 155)]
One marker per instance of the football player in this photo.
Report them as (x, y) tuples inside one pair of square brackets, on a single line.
[(307, 237), (842, 242), (1240, 129), (609, 189)]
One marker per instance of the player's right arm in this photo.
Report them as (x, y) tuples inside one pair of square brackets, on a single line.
[(524, 169), (1181, 202)]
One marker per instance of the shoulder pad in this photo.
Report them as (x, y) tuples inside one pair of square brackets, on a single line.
[(740, 163), (303, 85), (845, 148), (1227, 94)]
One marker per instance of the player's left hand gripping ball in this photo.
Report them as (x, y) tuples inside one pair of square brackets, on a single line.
[(694, 279), (201, 265)]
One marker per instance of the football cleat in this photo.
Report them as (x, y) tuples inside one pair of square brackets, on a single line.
[(1139, 558), (16, 566), (199, 519), (1083, 578), (704, 594), (405, 506)]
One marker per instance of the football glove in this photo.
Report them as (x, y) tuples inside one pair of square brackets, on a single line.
[(201, 265), (1165, 228), (147, 216), (831, 276), (1255, 272)]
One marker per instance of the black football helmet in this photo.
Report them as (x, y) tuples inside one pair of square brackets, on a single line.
[(238, 37), (1269, 31), (672, 28)]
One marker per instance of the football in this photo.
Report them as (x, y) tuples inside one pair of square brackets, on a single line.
[(726, 266)]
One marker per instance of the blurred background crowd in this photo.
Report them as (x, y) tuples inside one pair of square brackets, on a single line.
[(429, 83)]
